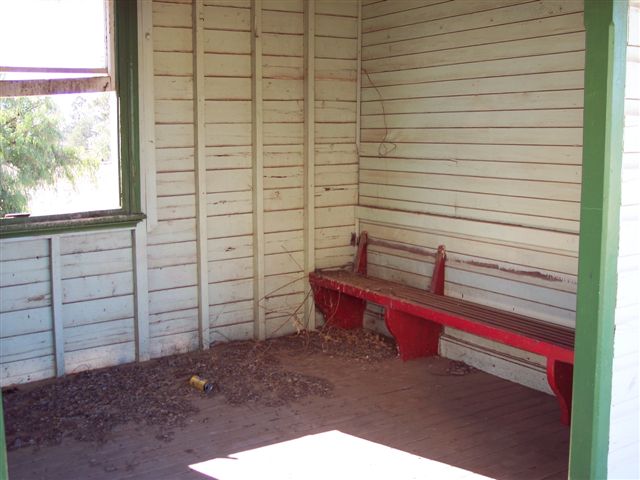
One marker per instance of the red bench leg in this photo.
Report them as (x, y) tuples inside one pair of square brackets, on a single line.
[(560, 377), (416, 337), (339, 310)]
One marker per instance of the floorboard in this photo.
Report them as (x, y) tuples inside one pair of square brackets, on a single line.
[(475, 422)]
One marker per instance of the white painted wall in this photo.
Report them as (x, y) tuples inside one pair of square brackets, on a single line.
[(89, 293), (624, 436), (471, 133)]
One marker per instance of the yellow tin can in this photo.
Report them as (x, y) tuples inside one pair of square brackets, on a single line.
[(201, 384)]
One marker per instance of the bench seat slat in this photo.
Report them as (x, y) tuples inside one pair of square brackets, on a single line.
[(393, 292)]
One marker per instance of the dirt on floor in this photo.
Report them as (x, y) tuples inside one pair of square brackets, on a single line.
[(88, 405)]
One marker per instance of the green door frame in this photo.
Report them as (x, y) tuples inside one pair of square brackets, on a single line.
[(605, 66)]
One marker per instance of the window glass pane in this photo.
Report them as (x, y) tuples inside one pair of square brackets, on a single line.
[(53, 33), (59, 154)]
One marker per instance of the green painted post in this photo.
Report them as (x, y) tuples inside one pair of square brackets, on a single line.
[(606, 26)]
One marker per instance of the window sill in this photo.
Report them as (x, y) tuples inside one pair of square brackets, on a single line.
[(70, 223)]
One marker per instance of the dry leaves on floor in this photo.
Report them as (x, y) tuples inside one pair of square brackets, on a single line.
[(88, 405)]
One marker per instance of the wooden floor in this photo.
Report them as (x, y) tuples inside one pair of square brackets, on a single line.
[(475, 422)]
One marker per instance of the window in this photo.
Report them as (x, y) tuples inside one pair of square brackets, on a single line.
[(68, 115)]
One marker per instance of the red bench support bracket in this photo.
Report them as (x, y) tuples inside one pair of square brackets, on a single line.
[(560, 378), (360, 262), (415, 336), (437, 280), (340, 310)]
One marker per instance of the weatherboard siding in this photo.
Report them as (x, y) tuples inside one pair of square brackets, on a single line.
[(624, 439), (71, 302), (228, 145), (471, 133), (66, 304), (171, 250)]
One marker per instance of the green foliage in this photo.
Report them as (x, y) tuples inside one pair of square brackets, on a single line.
[(35, 151), (89, 127)]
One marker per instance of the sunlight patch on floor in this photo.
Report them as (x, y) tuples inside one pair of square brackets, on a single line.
[(325, 455)]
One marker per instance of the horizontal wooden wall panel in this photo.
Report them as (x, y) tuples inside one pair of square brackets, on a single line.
[(471, 135), (80, 301), (336, 106), (505, 33), (171, 256)]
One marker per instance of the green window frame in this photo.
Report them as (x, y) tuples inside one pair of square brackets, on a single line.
[(126, 79)]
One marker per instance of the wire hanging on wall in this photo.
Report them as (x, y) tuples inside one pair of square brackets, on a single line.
[(385, 147)]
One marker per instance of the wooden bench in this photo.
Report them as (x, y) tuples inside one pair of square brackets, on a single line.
[(416, 318)]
